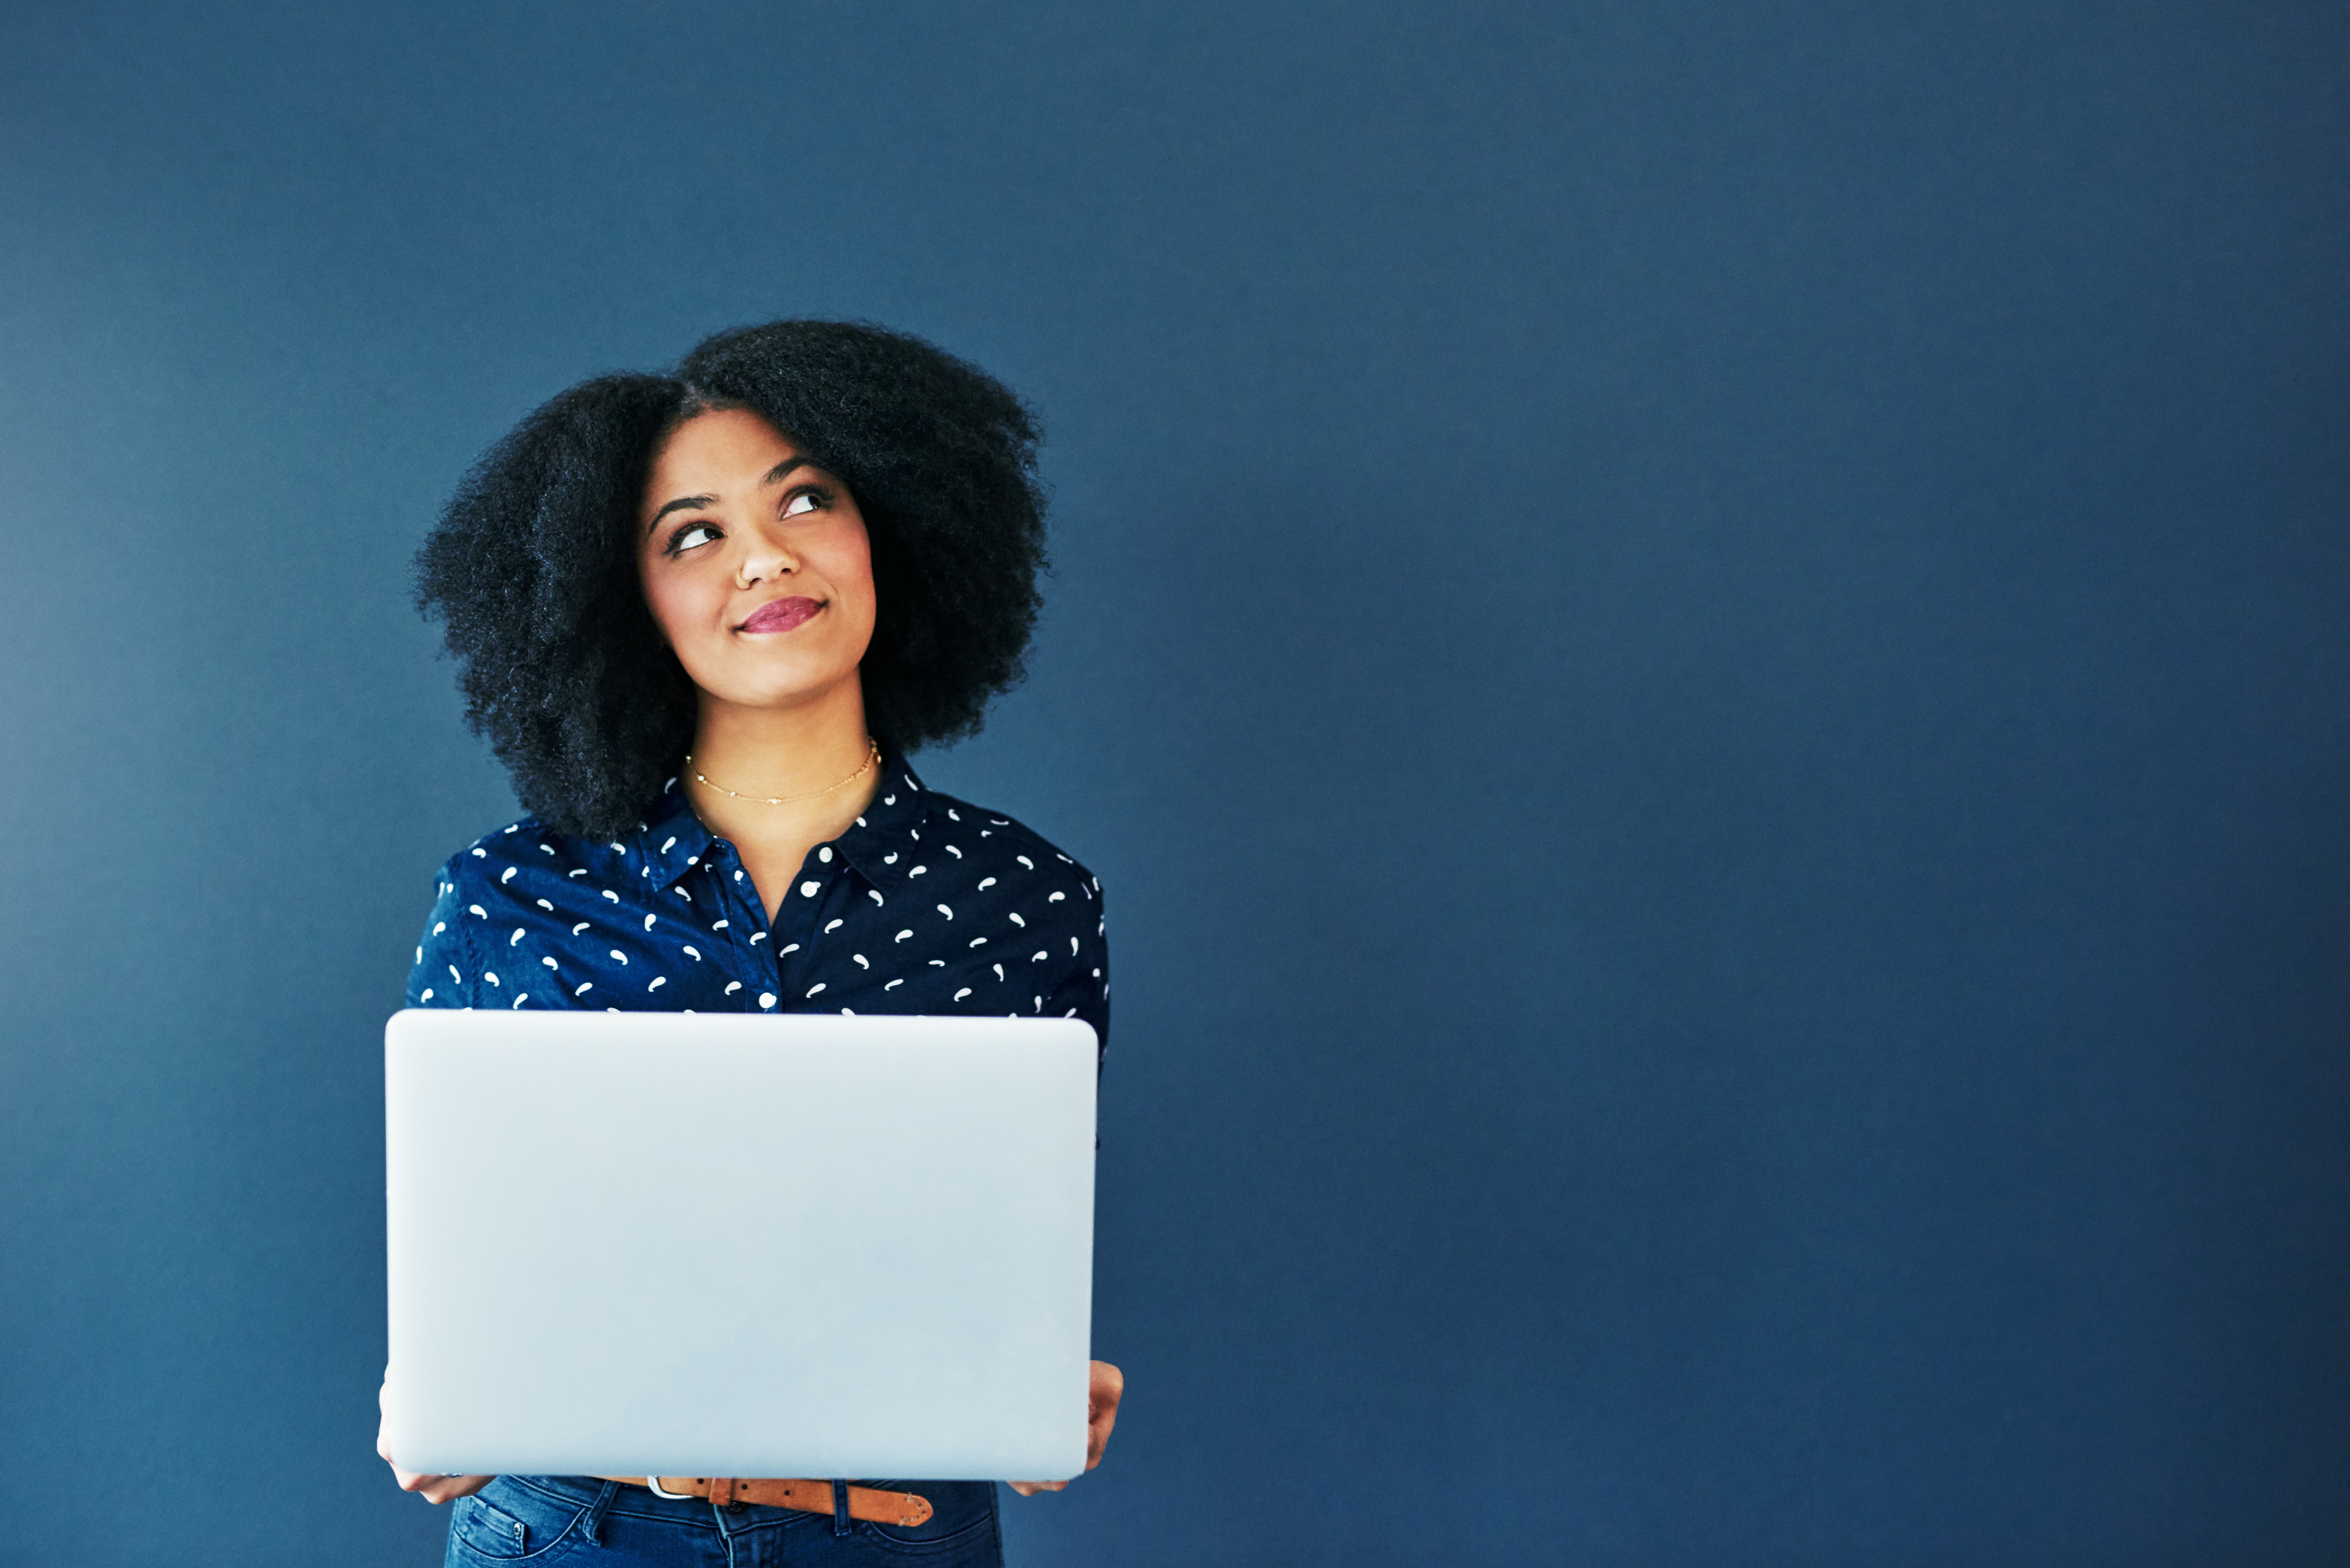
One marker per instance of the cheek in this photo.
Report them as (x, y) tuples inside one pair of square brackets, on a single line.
[(670, 597), (852, 568)]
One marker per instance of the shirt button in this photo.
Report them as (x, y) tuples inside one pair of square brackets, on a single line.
[(808, 889)]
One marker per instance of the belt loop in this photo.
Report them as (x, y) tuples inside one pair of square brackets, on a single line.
[(839, 1506), (592, 1523)]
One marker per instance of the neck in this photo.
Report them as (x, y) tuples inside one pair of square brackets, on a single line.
[(769, 753)]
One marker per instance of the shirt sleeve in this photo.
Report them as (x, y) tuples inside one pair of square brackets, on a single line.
[(445, 972), (1084, 988)]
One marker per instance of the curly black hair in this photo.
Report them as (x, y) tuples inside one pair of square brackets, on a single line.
[(533, 563)]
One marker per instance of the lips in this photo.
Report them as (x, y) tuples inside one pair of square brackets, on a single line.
[(781, 614)]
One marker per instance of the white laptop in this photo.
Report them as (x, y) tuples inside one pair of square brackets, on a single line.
[(675, 1244)]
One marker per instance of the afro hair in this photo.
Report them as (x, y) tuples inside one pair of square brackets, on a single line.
[(532, 565)]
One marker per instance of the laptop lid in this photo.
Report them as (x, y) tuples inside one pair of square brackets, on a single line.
[(683, 1244)]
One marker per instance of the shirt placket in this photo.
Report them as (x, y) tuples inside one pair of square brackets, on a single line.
[(799, 925), (749, 942)]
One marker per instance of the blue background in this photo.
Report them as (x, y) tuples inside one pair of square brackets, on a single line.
[(1702, 646)]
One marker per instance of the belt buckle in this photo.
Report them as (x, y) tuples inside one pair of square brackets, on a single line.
[(653, 1483)]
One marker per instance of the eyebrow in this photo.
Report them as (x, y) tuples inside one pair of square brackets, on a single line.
[(686, 503), (682, 503)]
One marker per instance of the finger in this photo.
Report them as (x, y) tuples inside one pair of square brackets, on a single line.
[(1030, 1488), (448, 1489), (1106, 1389), (1097, 1436), (422, 1482)]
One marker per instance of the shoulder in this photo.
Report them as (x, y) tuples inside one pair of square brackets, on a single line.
[(519, 860), (523, 883), (975, 834), (1022, 909), (1010, 895)]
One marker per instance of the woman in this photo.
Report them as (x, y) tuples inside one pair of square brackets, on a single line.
[(702, 618)]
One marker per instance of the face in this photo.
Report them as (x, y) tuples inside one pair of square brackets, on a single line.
[(755, 564)]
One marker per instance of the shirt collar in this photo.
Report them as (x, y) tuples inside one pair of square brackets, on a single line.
[(882, 843), (879, 844), (673, 839)]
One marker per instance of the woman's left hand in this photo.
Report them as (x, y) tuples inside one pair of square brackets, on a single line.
[(434, 1487), (1108, 1385)]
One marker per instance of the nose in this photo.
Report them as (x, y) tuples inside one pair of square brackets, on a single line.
[(761, 562)]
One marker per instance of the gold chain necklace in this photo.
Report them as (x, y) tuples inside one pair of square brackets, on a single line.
[(872, 760)]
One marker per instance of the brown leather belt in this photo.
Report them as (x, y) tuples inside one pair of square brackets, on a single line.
[(900, 1508)]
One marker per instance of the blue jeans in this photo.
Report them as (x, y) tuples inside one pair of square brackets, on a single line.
[(521, 1521)]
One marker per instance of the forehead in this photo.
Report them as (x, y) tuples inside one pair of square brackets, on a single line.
[(715, 452)]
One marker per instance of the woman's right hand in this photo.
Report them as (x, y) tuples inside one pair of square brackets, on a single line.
[(1108, 1386), (431, 1488)]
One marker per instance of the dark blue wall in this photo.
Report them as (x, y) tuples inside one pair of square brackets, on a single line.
[(1703, 646)]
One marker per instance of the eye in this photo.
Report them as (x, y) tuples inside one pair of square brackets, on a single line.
[(805, 501), (693, 536)]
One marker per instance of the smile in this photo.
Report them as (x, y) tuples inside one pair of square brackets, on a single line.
[(780, 614)]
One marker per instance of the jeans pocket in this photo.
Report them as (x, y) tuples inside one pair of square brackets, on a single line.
[(962, 1529), (508, 1522)]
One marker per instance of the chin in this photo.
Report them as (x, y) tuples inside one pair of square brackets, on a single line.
[(786, 692)]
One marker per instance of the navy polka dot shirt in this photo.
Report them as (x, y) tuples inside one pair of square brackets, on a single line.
[(927, 905)]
